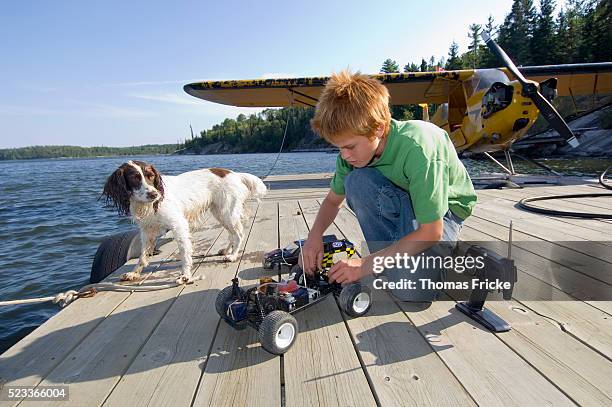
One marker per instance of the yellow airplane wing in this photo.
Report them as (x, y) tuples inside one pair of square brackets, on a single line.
[(574, 79), (404, 88)]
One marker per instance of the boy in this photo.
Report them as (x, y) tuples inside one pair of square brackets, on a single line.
[(403, 180)]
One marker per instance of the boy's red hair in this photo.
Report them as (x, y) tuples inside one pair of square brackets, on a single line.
[(353, 103)]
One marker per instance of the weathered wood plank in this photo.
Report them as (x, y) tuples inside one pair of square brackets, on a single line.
[(553, 275), (588, 205), (541, 230), (602, 229), (484, 365), (169, 366), (403, 367), (94, 367), (479, 360), (583, 321), (600, 202), (588, 265), (299, 177), (573, 231), (578, 285), (238, 370), (322, 368), (293, 194), (578, 371), (29, 361)]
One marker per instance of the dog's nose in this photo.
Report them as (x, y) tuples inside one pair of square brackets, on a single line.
[(152, 195)]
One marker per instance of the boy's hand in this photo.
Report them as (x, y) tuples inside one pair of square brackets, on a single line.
[(348, 271), (312, 254)]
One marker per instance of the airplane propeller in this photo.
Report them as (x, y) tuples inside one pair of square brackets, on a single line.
[(531, 91)]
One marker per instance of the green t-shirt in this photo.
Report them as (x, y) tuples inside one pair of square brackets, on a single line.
[(420, 158)]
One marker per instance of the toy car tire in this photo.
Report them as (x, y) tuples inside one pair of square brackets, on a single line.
[(222, 298), (355, 299), (277, 332)]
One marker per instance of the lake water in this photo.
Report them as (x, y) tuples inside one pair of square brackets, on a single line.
[(51, 222)]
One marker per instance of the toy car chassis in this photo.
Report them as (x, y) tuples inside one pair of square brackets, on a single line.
[(290, 254), (269, 306)]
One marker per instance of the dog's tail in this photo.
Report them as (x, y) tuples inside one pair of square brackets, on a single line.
[(254, 184)]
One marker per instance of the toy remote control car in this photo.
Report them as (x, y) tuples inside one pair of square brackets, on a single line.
[(269, 306), (290, 254)]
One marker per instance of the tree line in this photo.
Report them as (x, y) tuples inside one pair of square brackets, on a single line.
[(262, 132), (33, 152)]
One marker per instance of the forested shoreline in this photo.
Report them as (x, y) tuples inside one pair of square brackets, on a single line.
[(33, 152)]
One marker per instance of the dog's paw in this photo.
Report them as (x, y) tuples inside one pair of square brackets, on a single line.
[(231, 258), (184, 279), (131, 276)]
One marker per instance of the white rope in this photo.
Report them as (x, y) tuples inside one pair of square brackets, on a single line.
[(28, 301), (65, 298), (62, 299)]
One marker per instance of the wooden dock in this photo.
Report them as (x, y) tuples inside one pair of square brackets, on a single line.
[(169, 347)]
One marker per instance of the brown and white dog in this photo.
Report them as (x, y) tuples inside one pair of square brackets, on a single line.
[(178, 203)]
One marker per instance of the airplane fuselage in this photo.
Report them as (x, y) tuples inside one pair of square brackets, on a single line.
[(490, 115)]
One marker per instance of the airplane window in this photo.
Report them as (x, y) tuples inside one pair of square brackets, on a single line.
[(483, 79)]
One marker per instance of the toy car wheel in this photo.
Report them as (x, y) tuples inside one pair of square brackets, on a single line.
[(277, 332), (222, 298), (355, 299)]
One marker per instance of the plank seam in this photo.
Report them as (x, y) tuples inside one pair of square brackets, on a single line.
[(283, 394), (568, 332), (526, 339)]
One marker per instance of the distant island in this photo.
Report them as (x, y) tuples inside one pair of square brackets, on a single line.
[(34, 152)]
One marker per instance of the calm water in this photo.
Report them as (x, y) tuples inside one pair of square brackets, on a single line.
[(51, 222)]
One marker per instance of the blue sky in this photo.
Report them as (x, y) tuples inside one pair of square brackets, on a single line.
[(111, 72)]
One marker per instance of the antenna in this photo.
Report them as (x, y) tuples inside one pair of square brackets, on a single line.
[(301, 251), (510, 241)]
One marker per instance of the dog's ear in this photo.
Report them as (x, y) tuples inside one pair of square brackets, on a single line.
[(116, 193), (158, 183)]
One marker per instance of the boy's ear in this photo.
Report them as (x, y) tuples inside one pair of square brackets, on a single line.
[(380, 130)]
